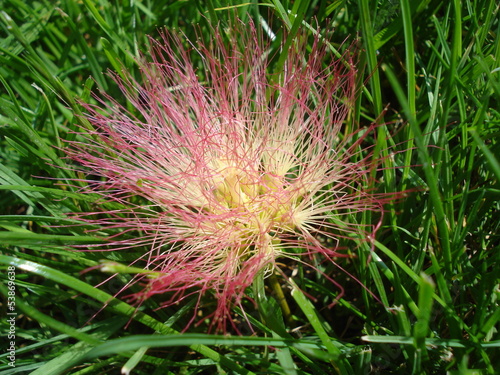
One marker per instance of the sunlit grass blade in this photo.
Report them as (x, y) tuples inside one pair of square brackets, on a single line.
[(421, 328), (307, 308)]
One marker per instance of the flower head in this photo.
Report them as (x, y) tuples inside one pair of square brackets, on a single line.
[(237, 167)]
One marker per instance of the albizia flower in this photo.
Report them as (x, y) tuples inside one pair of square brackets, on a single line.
[(239, 167)]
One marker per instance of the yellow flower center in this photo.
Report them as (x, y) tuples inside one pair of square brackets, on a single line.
[(257, 203)]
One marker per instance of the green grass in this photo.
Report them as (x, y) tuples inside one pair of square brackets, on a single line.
[(431, 297)]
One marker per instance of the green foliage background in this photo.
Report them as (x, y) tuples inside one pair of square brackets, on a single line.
[(436, 67)]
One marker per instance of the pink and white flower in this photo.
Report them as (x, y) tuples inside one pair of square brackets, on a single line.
[(236, 167)]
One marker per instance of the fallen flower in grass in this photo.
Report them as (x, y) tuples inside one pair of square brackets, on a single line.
[(236, 167)]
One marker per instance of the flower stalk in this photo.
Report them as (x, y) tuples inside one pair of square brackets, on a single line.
[(281, 299)]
